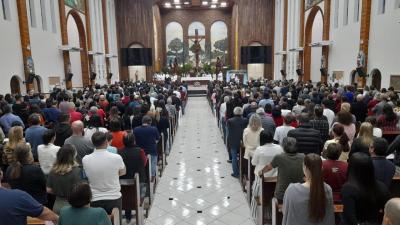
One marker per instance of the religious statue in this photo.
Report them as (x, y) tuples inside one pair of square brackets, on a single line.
[(218, 65), (323, 62), (360, 59), (136, 75), (175, 66), (196, 47)]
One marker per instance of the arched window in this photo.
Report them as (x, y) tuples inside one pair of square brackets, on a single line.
[(219, 41), (174, 42)]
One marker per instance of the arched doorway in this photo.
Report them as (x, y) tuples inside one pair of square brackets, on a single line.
[(79, 60), (15, 85), (137, 72), (37, 84), (376, 78), (312, 56), (255, 71)]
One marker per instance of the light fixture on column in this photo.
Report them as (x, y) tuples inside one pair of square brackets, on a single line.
[(186, 3), (177, 1), (178, 7), (213, 6), (223, 4), (214, 1), (204, 3), (167, 4)]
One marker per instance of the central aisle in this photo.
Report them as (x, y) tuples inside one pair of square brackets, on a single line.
[(196, 187)]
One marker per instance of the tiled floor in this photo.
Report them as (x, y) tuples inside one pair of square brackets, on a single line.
[(196, 187)]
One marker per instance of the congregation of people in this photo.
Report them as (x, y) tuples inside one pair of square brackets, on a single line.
[(63, 154), (325, 145)]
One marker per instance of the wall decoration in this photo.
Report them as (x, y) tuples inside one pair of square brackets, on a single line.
[(219, 42), (76, 4), (395, 82), (311, 3), (174, 43)]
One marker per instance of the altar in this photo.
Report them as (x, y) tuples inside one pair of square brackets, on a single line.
[(196, 81)]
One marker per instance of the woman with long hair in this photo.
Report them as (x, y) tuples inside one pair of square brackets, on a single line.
[(346, 120), (363, 196), (364, 139), (24, 175), (310, 202), (251, 135), (277, 116), (63, 176), (15, 137), (339, 137), (117, 133), (388, 120)]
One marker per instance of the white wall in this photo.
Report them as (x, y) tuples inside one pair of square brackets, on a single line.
[(74, 57), (346, 39), (112, 40), (45, 44), (316, 52), (11, 62), (384, 42), (278, 45)]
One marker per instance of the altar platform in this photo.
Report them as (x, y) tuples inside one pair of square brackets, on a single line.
[(196, 81)]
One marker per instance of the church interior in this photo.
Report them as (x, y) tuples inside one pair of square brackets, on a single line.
[(232, 79)]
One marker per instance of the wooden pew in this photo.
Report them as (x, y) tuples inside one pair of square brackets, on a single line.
[(161, 154), (390, 135), (242, 166), (115, 218), (267, 188), (150, 184), (250, 180), (130, 189)]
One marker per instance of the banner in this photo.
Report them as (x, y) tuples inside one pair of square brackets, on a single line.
[(76, 4)]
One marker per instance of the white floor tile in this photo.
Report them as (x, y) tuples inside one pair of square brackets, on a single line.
[(197, 177)]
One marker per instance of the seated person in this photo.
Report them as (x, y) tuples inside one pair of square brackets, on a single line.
[(388, 120), (392, 212), (363, 196), (80, 212), (26, 176), (334, 171), (384, 169), (309, 202), (103, 170), (17, 205), (289, 165)]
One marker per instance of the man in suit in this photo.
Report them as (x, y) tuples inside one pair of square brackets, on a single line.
[(235, 126)]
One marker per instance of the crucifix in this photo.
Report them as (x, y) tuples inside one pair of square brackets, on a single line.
[(196, 46)]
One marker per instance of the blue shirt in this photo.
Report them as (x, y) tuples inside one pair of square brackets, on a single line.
[(16, 205), (34, 135), (7, 119), (51, 114), (384, 170), (147, 137), (112, 149)]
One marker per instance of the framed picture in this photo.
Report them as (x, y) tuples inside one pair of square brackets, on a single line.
[(311, 3), (76, 4)]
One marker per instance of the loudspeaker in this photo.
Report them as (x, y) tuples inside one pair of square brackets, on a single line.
[(283, 72), (109, 76), (137, 56), (360, 72), (256, 54), (323, 72), (299, 72), (68, 77), (93, 76), (30, 79)]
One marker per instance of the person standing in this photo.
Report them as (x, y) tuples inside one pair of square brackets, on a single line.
[(81, 144), (8, 118), (147, 137), (235, 127), (47, 152), (103, 170), (34, 134)]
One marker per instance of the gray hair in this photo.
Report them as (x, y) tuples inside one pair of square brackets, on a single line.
[(238, 111), (169, 100), (226, 98), (255, 122), (392, 210), (289, 145)]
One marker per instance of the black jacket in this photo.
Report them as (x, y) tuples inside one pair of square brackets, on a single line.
[(63, 131), (359, 110), (134, 163), (236, 126), (308, 139)]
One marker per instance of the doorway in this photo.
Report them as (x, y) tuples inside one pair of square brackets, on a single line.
[(376, 78)]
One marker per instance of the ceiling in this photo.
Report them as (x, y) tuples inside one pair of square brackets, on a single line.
[(195, 4)]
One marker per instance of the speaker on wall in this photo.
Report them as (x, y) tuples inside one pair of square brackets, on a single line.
[(30, 79), (324, 72), (256, 54), (299, 72), (283, 72), (93, 76), (137, 56), (109, 76), (68, 77), (360, 72)]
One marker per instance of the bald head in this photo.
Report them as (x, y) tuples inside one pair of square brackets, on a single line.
[(77, 128), (392, 210), (360, 97)]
